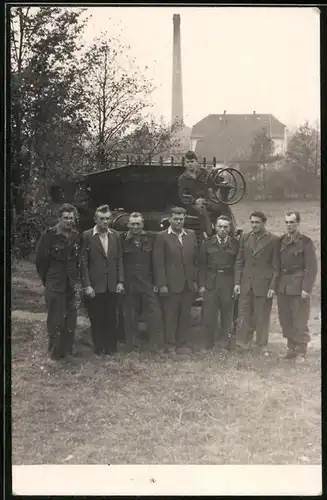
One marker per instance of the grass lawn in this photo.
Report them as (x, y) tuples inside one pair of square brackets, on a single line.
[(220, 408)]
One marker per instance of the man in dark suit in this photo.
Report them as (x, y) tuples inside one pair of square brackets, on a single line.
[(298, 262), (175, 261), (102, 278), (57, 264), (256, 274), (141, 294), (216, 282)]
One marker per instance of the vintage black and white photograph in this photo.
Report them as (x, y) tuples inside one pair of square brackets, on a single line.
[(165, 239)]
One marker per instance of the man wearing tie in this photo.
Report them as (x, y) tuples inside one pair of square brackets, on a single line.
[(216, 282), (102, 278), (256, 274), (175, 271)]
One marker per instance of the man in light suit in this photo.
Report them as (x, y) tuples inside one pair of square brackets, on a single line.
[(102, 278), (175, 269), (256, 274), (298, 273)]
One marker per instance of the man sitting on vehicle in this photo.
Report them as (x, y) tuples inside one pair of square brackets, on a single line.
[(194, 193)]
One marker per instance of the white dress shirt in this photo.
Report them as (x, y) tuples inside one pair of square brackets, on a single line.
[(179, 235), (103, 238)]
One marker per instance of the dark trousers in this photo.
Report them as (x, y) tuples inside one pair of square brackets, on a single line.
[(254, 315), (217, 301), (177, 312), (294, 313), (102, 310), (147, 303), (61, 322)]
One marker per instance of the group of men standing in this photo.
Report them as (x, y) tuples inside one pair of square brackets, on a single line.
[(161, 274)]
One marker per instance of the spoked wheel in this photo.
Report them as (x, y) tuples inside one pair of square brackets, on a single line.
[(227, 185)]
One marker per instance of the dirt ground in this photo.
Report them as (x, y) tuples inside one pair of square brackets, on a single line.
[(219, 408)]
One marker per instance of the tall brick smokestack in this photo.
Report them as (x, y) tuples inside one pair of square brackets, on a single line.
[(177, 91)]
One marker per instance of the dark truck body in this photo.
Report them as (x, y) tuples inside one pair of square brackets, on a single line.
[(149, 189)]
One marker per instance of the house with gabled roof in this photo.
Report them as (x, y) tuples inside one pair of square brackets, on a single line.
[(229, 137)]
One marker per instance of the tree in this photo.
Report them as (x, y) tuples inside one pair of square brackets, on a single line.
[(115, 97), (303, 160), (151, 138), (303, 152), (47, 120), (262, 147)]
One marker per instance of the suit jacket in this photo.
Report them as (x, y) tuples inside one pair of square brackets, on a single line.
[(257, 263), (100, 271), (214, 258), (298, 263), (175, 264), (57, 259)]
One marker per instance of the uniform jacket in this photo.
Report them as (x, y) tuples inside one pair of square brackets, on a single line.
[(174, 264), (57, 259), (257, 263), (138, 262), (215, 257), (298, 262), (100, 271)]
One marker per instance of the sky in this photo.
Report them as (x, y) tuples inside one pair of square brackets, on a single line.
[(235, 59)]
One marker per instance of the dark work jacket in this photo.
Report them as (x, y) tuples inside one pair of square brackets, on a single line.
[(298, 263), (257, 263), (191, 189), (138, 265), (215, 257), (57, 259)]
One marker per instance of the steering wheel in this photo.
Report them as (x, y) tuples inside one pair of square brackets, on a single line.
[(227, 185)]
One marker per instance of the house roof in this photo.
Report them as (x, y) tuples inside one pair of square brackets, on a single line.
[(229, 136)]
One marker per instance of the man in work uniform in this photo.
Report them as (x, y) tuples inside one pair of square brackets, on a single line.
[(216, 281), (298, 273), (193, 192), (256, 274), (141, 294), (57, 264)]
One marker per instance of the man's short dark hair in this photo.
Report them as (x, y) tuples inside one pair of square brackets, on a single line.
[(297, 215), (177, 211), (258, 213), (104, 209), (136, 214), (190, 155), (224, 217), (67, 207)]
